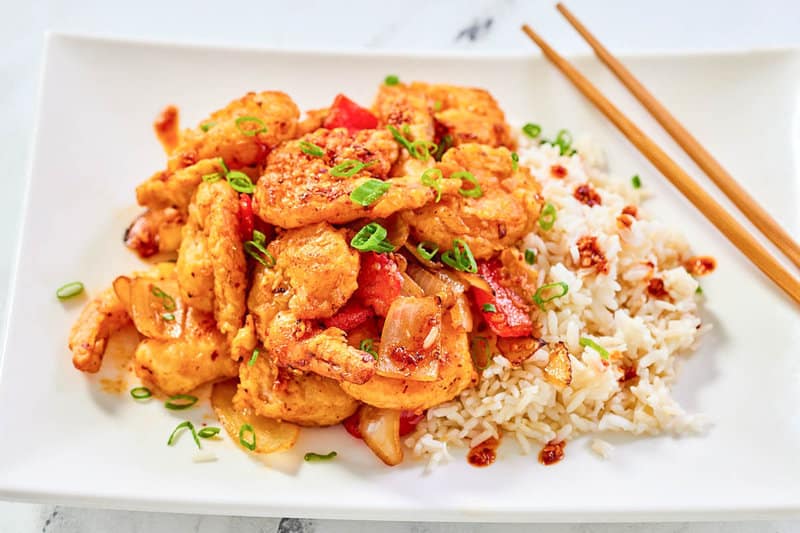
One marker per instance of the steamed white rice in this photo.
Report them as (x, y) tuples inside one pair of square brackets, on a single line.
[(615, 310)]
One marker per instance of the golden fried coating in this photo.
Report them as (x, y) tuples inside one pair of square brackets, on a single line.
[(167, 128), (101, 317), (175, 189), (211, 265), (241, 133), (502, 215), (177, 366), (155, 231), (305, 399), (405, 105), (456, 373), (467, 114), (297, 189)]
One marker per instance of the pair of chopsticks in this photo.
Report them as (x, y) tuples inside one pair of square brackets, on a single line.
[(715, 213)]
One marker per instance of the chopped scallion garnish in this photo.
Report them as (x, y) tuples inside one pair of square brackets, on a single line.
[(547, 218), (249, 131), (141, 393), (253, 357), (240, 182), (444, 144), (368, 192), (530, 256), (70, 290), (427, 250), (311, 456), (250, 443), (207, 126), (532, 130), (421, 150), (489, 308), (372, 238), (169, 317), (185, 424), (585, 341), (391, 79), (557, 290), (349, 168), (311, 149), (211, 178), (636, 181), (179, 402), (514, 161), (166, 300), (437, 105), (460, 257), (256, 249), (433, 178), (367, 345), (207, 433), (473, 192)]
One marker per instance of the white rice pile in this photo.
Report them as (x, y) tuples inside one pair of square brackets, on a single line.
[(615, 310)]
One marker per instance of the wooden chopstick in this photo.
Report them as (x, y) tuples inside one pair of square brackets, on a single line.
[(721, 178), (724, 222)]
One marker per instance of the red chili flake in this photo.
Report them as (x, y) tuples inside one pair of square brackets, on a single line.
[(631, 210), (552, 453), (586, 195), (591, 255), (484, 453), (628, 373), (700, 265), (557, 171), (655, 287), (624, 221)]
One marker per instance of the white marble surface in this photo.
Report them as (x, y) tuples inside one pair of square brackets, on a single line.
[(412, 24)]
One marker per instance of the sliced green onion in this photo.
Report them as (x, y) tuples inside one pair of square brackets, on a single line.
[(257, 251), (514, 161), (424, 252), (211, 178), (585, 341), (547, 218), (473, 192), (141, 393), (530, 256), (311, 456), (489, 308), (166, 300), (423, 150), (169, 317), (207, 126), (460, 257), (311, 149), (70, 290), (437, 105), (188, 425), (368, 192), (240, 182), (636, 182), (223, 165), (539, 296), (698, 290), (433, 178), (405, 143), (532, 130), (253, 357), (251, 132), (482, 344), (251, 443), (368, 345), (179, 402), (349, 168), (391, 79), (563, 140), (259, 238), (372, 238), (444, 144), (207, 433)]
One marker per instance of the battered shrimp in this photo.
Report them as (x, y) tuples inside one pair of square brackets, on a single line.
[(505, 212), (101, 317), (155, 231), (297, 189), (211, 264), (315, 273), (305, 399), (177, 366)]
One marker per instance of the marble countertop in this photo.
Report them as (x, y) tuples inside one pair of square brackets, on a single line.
[(624, 25)]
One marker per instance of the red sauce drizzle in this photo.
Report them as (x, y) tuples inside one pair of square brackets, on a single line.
[(484, 453), (552, 453), (700, 265)]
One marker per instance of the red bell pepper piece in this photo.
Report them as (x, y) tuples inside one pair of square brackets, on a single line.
[(351, 425), (409, 421), (245, 217), (510, 318), (344, 113), (379, 282), (349, 317)]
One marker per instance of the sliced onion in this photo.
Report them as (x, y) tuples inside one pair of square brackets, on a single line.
[(148, 312), (461, 314), (473, 280), (518, 349), (411, 341), (437, 284), (559, 368), (412, 249), (410, 287), (381, 431)]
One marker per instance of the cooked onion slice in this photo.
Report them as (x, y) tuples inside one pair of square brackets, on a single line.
[(461, 314), (437, 283), (559, 369), (157, 317), (411, 339), (270, 435), (381, 431)]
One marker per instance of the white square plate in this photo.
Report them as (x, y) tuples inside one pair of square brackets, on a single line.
[(63, 439)]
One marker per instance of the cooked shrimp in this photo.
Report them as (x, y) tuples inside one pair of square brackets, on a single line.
[(280, 393), (167, 128), (211, 264), (155, 231), (101, 317), (315, 273), (504, 213), (175, 189), (297, 189), (241, 133), (177, 366), (456, 373)]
